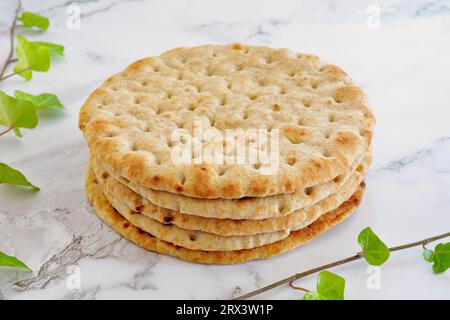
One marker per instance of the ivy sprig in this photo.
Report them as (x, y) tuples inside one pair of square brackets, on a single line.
[(31, 55), (331, 286), (440, 257), (30, 20), (12, 262), (12, 176), (22, 109), (376, 252), (41, 101), (16, 113)]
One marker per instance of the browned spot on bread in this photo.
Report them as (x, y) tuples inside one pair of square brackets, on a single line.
[(105, 175), (202, 176), (363, 184), (317, 164), (295, 134), (259, 185), (102, 125), (309, 57), (237, 46), (334, 71), (179, 189), (110, 80), (276, 107), (126, 225), (348, 93), (230, 189), (291, 160), (141, 231), (288, 184), (367, 135), (140, 208), (138, 64), (100, 92), (347, 140), (168, 219), (135, 164), (156, 179)]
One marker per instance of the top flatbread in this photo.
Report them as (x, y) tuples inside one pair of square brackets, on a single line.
[(323, 119)]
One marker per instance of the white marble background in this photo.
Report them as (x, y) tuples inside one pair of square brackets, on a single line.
[(403, 66)]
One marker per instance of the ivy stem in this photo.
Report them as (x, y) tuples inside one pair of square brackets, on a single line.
[(6, 131), (359, 255), (297, 288), (14, 73), (9, 58)]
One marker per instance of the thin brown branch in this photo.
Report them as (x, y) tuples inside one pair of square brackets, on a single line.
[(6, 131), (297, 288), (9, 58), (14, 73), (359, 255)]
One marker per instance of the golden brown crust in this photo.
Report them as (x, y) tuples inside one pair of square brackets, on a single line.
[(128, 121), (278, 205), (193, 239), (104, 210), (136, 205)]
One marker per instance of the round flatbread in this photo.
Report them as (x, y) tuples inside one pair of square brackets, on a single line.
[(322, 119), (192, 239), (143, 239), (249, 208), (135, 204)]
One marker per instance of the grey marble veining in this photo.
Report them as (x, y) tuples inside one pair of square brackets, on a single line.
[(401, 61)]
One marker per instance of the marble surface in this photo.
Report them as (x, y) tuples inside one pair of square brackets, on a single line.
[(397, 50)]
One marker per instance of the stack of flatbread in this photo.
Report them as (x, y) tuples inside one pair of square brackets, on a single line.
[(226, 153)]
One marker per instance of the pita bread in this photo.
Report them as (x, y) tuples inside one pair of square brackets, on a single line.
[(224, 227), (324, 121), (145, 240), (245, 208)]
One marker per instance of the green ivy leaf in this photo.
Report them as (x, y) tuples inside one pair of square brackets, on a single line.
[(311, 296), (42, 101), (10, 261), (375, 251), (30, 19), (330, 286), (428, 255), (12, 176), (16, 113), (441, 257), (30, 57), (53, 48)]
